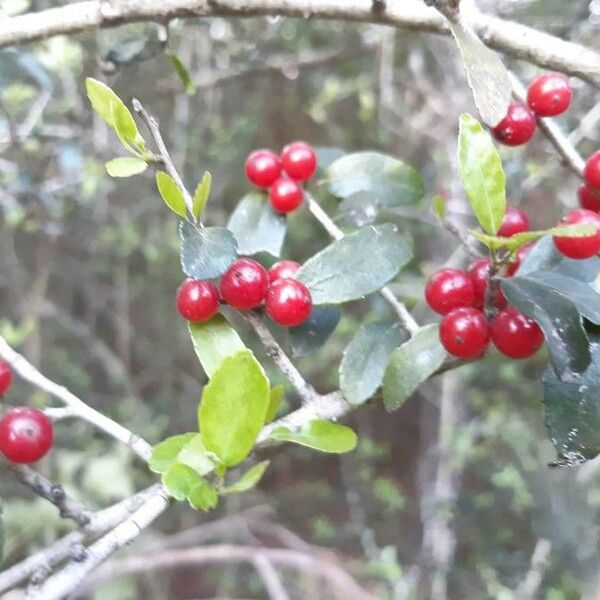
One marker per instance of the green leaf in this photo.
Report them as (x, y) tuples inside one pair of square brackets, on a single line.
[(315, 331), (114, 113), (481, 173), (203, 496), (188, 85), (389, 181), (165, 453), (179, 480), (319, 435), (357, 265), (275, 399), (412, 364), (170, 193), (438, 204), (214, 341), (248, 480), (206, 253), (234, 407), (194, 455), (365, 359), (517, 240), (486, 74), (559, 319), (202, 194), (256, 226), (125, 166)]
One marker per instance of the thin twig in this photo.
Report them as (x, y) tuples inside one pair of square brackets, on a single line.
[(336, 233), (461, 237)]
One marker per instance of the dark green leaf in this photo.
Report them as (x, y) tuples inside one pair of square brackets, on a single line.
[(125, 166), (482, 174), (357, 265), (203, 496), (188, 85), (256, 227), (315, 331), (390, 181), (275, 399), (234, 407), (365, 358), (412, 364), (248, 480), (558, 317), (202, 194), (319, 435), (206, 253), (179, 480), (486, 74), (214, 341), (165, 453), (170, 193), (572, 411)]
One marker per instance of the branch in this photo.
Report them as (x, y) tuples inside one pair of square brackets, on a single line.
[(68, 508), (529, 587), (79, 408), (516, 40), (336, 233), (307, 393)]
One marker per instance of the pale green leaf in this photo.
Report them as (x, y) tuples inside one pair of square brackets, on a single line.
[(202, 194), (248, 480), (319, 435), (125, 166), (165, 453), (194, 455), (170, 193), (203, 496), (277, 394), (179, 480)]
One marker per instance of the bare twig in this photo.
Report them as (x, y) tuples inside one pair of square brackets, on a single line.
[(528, 589), (29, 373), (336, 233), (270, 578), (461, 237)]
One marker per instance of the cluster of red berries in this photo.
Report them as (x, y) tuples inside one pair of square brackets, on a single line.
[(548, 95), (282, 175), (26, 434), (247, 285)]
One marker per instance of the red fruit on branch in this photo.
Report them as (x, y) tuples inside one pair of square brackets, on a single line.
[(549, 94), (288, 302), (464, 332), (5, 376), (283, 269), (197, 301), (244, 285), (588, 198), (299, 160), (26, 435), (449, 289), (591, 171), (516, 335), (579, 247), (515, 220), (285, 195), (517, 127), (262, 168), (479, 272)]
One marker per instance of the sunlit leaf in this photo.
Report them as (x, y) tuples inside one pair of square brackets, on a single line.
[(319, 435)]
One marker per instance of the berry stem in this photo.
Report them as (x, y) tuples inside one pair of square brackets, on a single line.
[(491, 292), (336, 233)]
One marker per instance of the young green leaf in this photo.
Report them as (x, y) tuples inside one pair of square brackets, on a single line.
[(275, 399), (482, 174), (202, 194), (188, 84), (170, 193), (179, 480), (214, 341), (319, 435), (194, 455), (165, 453), (410, 365), (203, 496), (234, 407), (125, 166), (248, 480)]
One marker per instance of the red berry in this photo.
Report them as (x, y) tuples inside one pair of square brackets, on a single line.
[(197, 301), (521, 254), (284, 269), (479, 272), (285, 195), (449, 289), (464, 332), (244, 285), (579, 247), (591, 172), (26, 435), (515, 221), (262, 168), (299, 160), (516, 335), (288, 302), (517, 127), (549, 94), (5, 376), (588, 198)]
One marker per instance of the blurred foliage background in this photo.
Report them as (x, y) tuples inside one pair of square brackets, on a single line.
[(448, 497)]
